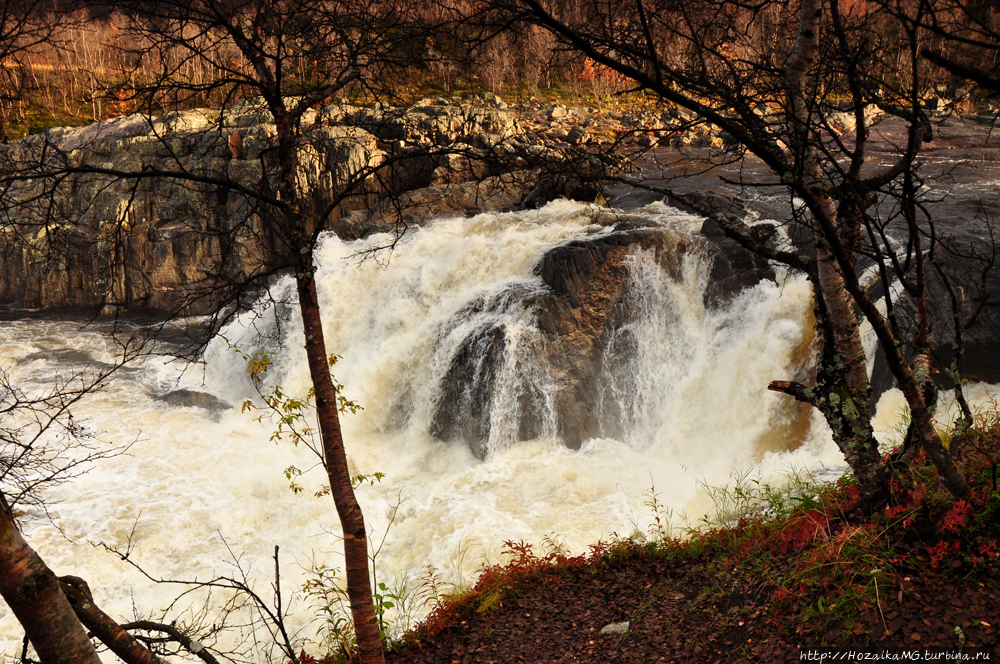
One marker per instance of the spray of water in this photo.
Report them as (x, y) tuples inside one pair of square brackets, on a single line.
[(683, 400)]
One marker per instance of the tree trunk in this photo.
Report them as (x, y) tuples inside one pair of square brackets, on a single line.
[(33, 594), (921, 343), (335, 458), (906, 376), (842, 389), (300, 230)]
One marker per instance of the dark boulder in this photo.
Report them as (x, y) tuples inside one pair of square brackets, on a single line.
[(586, 300), (734, 269), (966, 274), (583, 302), (193, 399)]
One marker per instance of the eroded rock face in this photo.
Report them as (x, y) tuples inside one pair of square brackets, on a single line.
[(416, 207), (493, 392), (91, 239), (587, 302), (974, 283), (582, 303)]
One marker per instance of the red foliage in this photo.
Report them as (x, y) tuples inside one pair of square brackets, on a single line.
[(893, 512), (955, 518), (853, 498), (802, 529), (943, 551), (305, 658)]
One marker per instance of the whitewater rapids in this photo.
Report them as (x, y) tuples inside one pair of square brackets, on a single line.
[(202, 485)]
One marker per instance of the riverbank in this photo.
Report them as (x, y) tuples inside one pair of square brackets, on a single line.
[(791, 573)]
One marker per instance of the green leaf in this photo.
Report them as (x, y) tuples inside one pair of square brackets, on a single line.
[(490, 600)]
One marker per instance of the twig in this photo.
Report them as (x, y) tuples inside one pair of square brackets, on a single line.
[(878, 601)]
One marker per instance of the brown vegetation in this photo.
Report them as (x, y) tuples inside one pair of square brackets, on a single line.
[(805, 570)]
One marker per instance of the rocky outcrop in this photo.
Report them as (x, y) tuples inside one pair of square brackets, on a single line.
[(88, 238), (585, 304), (416, 207), (733, 267), (584, 301), (974, 282)]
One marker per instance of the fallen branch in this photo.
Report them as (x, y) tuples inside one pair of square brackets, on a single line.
[(189, 644)]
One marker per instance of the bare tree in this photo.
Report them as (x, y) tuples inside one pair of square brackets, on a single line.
[(25, 27), (797, 87), (967, 32), (293, 57), (279, 161)]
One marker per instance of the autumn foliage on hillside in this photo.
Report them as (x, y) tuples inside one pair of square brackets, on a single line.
[(82, 65), (809, 570)]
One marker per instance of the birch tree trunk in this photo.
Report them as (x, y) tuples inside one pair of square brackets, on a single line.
[(335, 459), (842, 391), (32, 592), (300, 227)]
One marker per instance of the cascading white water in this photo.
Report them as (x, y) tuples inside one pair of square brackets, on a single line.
[(684, 401), (691, 358)]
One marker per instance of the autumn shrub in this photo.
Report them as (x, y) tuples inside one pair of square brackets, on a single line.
[(847, 561)]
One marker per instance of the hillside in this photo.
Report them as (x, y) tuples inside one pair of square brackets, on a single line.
[(800, 571)]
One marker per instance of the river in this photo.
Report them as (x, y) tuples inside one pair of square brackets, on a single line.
[(203, 486)]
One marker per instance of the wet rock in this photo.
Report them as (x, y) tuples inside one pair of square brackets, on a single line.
[(976, 296), (983, 118), (633, 199), (734, 269), (465, 403), (585, 302), (193, 399), (489, 397), (422, 205)]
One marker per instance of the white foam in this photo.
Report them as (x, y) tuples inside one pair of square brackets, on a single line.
[(696, 397)]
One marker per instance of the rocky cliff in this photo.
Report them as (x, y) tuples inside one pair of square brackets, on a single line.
[(87, 237)]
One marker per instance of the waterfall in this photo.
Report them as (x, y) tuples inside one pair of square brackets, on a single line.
[(680, 398)]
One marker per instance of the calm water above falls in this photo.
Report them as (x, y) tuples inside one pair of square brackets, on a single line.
[(692, 402)]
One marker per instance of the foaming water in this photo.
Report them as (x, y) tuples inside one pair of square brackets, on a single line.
[(684, 401), (692, 359), (892, 413)]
